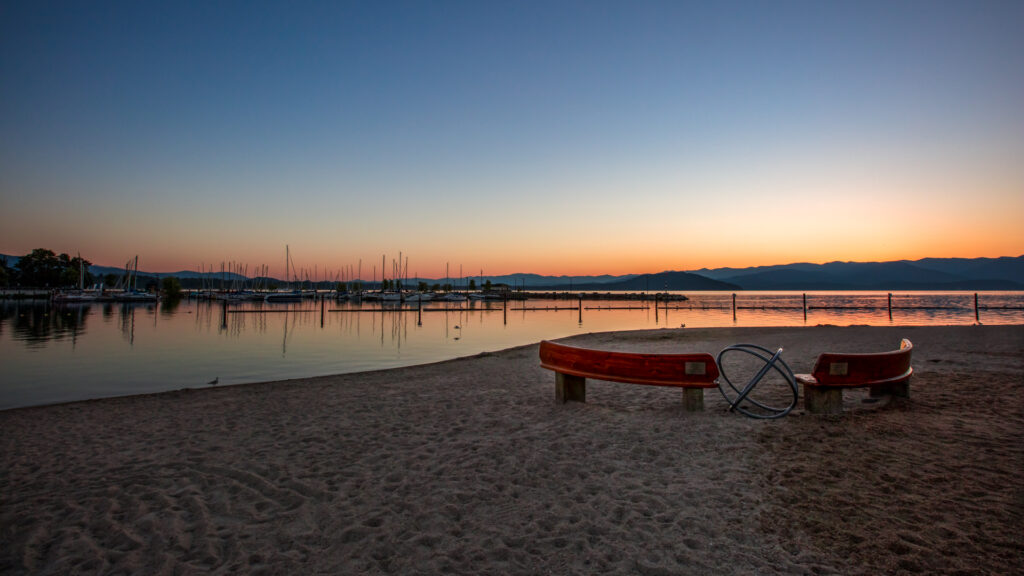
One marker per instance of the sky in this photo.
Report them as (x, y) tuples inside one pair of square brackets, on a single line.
[(545, 137)]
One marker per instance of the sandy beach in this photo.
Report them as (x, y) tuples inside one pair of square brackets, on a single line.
[(469, 467)]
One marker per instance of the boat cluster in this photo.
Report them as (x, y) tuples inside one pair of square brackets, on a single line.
[(342, 296), (418, 297), (126, 289), (100, 294)]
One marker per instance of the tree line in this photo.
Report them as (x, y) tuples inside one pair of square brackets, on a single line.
[(46, 269), (43, 268)]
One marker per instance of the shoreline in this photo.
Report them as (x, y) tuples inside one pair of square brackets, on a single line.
[(468, 466), (188, 389)]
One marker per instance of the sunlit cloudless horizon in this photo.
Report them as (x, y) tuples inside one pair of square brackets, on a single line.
[(554, 138)]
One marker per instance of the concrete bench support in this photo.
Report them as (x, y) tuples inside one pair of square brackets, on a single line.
[(818, 400), (693, 399), (570, 388)]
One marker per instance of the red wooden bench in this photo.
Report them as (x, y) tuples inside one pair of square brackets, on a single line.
[(884, 373), (572, 366)]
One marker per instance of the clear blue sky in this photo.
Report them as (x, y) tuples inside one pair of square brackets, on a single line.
[(582, 137)]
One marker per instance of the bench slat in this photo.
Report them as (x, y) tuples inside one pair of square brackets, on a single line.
[(682, 370)]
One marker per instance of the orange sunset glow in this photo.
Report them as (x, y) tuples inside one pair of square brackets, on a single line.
[(632, 146)]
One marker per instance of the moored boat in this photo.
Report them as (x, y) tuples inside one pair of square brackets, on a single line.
[(79, 295), (452, 297), (133, 296), (75, 296), (419, 297), (284, 296)]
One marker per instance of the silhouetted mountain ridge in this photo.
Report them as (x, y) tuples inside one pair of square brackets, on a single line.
[(1006, 273), (669, 280)]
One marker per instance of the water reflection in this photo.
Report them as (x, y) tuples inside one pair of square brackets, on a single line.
[(169, 306), (79, 351), (36, 325)]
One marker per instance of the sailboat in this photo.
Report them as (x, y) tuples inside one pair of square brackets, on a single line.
[(131, 292), (79, 295), (419, 297), (450, 296), (285, 295), (389, 295)]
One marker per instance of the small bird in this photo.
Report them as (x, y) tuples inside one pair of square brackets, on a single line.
[(214, 381)]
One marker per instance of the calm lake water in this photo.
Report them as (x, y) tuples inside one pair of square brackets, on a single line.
[(63, 353)]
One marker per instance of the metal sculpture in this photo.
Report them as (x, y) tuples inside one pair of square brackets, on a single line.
[(742, 400)]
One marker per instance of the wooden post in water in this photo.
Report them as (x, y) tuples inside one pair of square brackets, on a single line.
[(890, 305), (224, 313), (419, 311), (581, 308), (504, 311), (976, 317), (322, 305), (734, 306), (805, 306)]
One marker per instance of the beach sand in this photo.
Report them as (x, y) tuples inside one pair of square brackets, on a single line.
[(469, 467)]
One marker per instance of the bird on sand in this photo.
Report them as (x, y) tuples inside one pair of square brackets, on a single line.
[(214, 381)]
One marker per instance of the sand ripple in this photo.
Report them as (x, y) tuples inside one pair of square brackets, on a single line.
[(468, 467)]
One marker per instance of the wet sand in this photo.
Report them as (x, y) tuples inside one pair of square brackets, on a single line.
[(469, 467)]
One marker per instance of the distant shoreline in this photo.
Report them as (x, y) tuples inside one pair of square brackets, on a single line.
[(588, 294)]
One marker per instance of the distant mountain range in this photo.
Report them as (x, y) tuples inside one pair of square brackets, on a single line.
[(647, 283), (1006, 273)]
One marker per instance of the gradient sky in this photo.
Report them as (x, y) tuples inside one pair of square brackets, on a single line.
[(547, 137)]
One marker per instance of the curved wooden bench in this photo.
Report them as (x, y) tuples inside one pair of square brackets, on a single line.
[(884, 373), (572, 366)]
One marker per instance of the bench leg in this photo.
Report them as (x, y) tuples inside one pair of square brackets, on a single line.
[(820, 400), (899, 390), (568, 387), (693, 399)]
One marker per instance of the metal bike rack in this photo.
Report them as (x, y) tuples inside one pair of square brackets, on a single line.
[(740, 400)]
